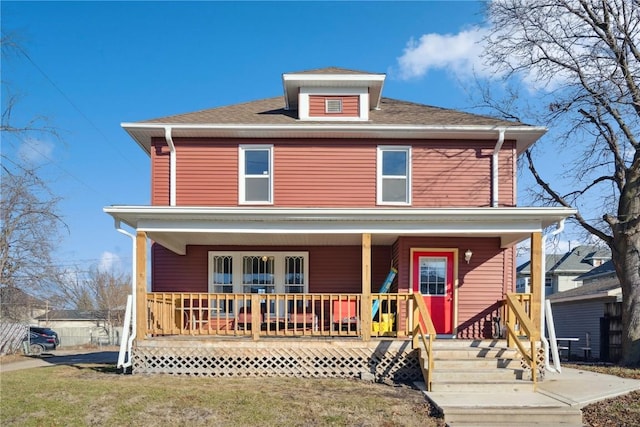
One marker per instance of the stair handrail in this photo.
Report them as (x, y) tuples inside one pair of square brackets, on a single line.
[(517, 314), (423, 331)]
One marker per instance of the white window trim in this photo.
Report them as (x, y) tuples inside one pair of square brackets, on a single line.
[(279, 269), (379, 177), (305, 92), (242, 176)]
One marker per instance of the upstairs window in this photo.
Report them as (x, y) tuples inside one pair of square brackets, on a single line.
[(394, 175), (256, 174)]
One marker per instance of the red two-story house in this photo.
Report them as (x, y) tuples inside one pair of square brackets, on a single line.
[(325, 218)]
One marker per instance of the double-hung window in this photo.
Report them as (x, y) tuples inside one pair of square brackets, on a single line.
[(394, 175), (256, 174)]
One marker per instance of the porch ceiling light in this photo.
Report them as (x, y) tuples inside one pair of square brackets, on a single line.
[(467, 255)]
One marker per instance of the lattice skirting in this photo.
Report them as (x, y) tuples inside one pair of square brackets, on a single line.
[(392, 365), (526, 367)]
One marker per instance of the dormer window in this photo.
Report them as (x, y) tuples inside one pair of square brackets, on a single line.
[(333, 105), (333, 94)]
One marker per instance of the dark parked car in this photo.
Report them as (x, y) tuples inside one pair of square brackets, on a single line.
[(45, 331), (38, 343)]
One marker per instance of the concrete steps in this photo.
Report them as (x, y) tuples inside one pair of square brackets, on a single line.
[(479, 383)]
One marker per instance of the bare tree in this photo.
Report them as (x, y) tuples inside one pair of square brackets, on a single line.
[(29, 220), (29, 233), (583, 58), (110, 290), (93, 290)]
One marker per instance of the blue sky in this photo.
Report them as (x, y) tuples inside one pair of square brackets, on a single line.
[(93, 65)]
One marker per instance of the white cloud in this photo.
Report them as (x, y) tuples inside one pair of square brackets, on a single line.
[(109, 261), (35, 151), (459, 53)]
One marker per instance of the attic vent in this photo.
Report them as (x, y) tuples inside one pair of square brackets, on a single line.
[(333, 105)]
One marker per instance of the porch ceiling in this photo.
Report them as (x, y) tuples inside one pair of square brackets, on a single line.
[(177, 227)]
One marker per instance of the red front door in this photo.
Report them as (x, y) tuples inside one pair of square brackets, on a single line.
[(433, 278)]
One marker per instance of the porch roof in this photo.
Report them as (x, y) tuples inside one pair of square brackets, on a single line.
[(176, 227)]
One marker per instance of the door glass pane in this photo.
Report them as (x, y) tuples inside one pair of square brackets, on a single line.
[(433, 275), (294, 274), (257, 274), (222, 274)]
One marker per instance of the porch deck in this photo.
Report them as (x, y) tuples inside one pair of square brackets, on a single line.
[(305, 335)]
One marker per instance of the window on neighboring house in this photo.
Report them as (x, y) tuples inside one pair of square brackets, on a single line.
[(548, 281), (256, 174), (333, 105), (394, 175)]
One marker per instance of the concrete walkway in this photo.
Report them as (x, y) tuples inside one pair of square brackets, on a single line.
[(104, 355), (572, 387), (579, 388), (561, 394)]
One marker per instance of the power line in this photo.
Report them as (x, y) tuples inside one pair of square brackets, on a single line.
[(72, 103)]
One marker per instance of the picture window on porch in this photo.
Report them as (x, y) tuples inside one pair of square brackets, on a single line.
[(394, 175), (256, 176), (294, 278), (433, 274), (258, 272)]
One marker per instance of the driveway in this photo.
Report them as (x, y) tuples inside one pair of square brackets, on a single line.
[(107, 355)]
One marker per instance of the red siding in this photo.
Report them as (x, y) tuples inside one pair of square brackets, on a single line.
[(159, 172), (324, 174), (335, 173), (458, 174), (331, 268), (350, 106), (206, 177)]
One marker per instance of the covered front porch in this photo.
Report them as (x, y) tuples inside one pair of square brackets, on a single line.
[(195, 249)]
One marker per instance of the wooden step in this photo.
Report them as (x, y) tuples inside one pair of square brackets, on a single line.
[(482, 386), (474, 375), (475, 363)]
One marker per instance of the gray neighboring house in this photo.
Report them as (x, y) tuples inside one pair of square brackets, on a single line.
[(78, 327), (563, 270), (595, 309)]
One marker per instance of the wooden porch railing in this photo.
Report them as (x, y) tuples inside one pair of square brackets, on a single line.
[(520, 329), (424, 332), (262, 315)]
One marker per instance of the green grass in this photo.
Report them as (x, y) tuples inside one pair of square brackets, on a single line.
[(91, 395)]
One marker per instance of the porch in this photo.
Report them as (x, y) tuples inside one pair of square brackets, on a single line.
[(387, 337)]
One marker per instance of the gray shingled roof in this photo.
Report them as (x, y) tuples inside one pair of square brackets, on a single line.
[(575, 261), (606, 269), (271, 111), (595, 289)]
